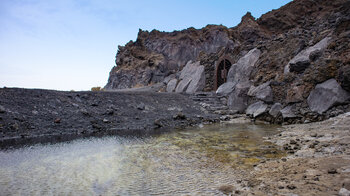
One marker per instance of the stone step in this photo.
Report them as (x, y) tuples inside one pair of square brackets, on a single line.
[(218, 108), (204, 99)]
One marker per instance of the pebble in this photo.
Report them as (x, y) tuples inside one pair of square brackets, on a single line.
[(140, 106), (292, 142), (109, 112), (313, 134), (332, 171), (226, 189), (57, 120), (179, 116), (85, 112), (291, 187), (2, 109)]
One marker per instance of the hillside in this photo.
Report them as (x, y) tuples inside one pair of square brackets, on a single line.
[(278, 58)]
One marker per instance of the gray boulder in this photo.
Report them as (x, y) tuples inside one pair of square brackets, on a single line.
[(288, 112), (192, 78), (302, 60), (256, 109), (262, 92), (239, 74), (183, 84), (168, 78), (171, 85), (241, 70), (326, 95), (198, 80), (238, 99), (225, 89), (275, 109)]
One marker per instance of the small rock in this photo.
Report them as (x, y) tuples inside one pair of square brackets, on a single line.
[(158, 123), (313, 134), (34, 112), (14, 126), (292, 142), (94, 104), (2, 109), (226, 189), (284, 159), (224, 118), (346, 184), (291, 187), (105, 120), (332, 171), (57, 120), (179, 116), (109, 112), (344, 192), (85, 112), (140, 106)]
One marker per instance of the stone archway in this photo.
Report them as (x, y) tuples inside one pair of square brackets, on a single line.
[(223, 65)]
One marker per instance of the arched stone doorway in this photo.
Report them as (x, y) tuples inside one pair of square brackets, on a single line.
[(221, 72)]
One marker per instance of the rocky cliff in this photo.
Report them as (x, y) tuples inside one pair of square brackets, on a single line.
[(291, 63)]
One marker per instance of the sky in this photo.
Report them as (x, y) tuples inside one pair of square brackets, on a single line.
[(71, 44)]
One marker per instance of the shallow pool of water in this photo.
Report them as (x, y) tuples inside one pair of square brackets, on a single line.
[(182, 162)]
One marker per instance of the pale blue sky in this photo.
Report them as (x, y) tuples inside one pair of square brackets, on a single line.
[(71, 44)]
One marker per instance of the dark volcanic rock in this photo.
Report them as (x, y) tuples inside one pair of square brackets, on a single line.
[(58, 119), (326, 95)]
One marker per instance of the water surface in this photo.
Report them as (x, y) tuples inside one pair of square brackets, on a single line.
[(182, 162)]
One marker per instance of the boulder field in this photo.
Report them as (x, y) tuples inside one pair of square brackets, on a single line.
[(291, 65)]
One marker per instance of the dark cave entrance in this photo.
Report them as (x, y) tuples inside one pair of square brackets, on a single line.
[(222, 72)]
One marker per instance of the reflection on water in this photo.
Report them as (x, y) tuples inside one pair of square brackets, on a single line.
[(195, 161)]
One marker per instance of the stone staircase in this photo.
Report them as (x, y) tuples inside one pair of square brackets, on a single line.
[(212, 103)]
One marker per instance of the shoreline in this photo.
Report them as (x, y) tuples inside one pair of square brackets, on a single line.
[(317, 163)]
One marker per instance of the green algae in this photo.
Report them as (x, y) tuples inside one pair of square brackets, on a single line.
[(240, 146)]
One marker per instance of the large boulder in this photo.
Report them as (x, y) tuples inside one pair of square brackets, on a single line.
[(275, 109), (326, 95), (198, 81), (183, 84), (171, 85), (288, 112), (238, 99), (302, 60), (262, 92), (225, 89), (192, 78), (256, 109), (239, 74), (240, 71)]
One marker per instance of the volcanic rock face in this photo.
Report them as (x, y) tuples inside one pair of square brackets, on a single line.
[(278, 58), (156, 55)]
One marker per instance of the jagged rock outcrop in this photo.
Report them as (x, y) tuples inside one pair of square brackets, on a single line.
[(277, 58), (156, 54), (302, 60)]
